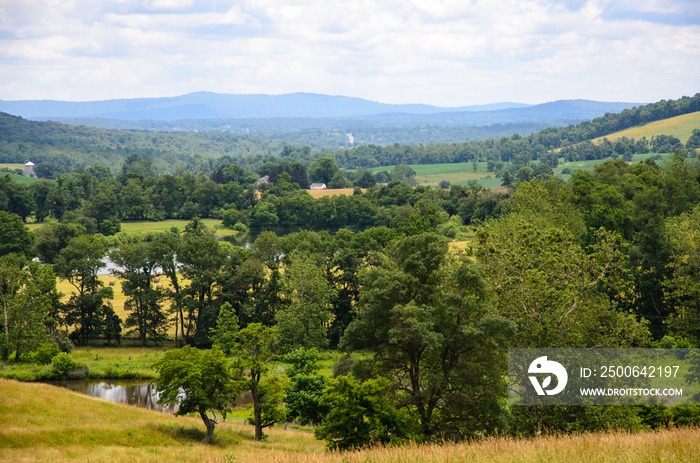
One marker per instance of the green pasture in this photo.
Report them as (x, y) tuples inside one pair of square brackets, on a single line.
[(165, 225), (462, 173)]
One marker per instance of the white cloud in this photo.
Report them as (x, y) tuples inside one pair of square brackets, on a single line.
[(448, 52)]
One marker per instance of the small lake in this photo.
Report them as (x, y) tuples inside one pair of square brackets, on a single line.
[(132, 392)]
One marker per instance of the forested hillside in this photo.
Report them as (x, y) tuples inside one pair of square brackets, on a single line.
[(79, 146)]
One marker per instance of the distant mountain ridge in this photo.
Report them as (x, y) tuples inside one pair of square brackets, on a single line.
[(207, 105)]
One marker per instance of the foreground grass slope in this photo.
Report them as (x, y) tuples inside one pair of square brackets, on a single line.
[(46, 423)]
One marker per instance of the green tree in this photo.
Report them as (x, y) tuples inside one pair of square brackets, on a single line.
[(226, 331), (304, 321), (53, 237), (27, 292), (14, 236), (364, 178), (202, 260), (79, 263), (682, 290), (558, 294), (305, 389), (426, 316), (403, 174), (254, 351), (338, 181), (322, 170), (15, 198), (197, 381), (136, 266)]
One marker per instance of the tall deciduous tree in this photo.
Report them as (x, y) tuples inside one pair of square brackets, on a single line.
[(79, 263), (683, 289), (137, 264), (27, 292), (427, 317), (304, 322), (202, 260), (254, 350), (14, 236)]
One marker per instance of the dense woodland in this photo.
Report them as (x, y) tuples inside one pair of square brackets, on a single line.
[(606, 259)]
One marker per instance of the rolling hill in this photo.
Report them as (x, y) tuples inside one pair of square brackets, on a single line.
[(680, 127)]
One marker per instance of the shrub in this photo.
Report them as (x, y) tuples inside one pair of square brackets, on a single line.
[(240, 227), (46, 352), (64, 366), (64, 343)]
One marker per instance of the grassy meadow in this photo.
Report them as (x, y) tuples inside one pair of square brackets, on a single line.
[(462, 173), (39, 422), (679, 126)]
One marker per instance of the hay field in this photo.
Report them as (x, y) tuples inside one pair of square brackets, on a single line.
[(328, 192), (679, 126)]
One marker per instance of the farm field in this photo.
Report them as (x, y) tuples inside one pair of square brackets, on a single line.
[(39, 422), (12, 165), (679, 126), (463, 172), (150, 226), (329, 192), (19, 178)]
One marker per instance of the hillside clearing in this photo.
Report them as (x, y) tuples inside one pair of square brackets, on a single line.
[(679, 126), (39, 422)]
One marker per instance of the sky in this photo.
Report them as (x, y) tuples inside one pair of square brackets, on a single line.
[(439, 52)]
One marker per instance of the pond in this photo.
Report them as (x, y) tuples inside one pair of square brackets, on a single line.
[(137, 392), (132, 392)]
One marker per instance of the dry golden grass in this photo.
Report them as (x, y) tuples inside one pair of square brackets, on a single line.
[(679, 126), (328, 192), (47, 423)]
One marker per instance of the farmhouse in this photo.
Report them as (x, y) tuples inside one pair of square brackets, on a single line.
[(317, 186), (261, 180)]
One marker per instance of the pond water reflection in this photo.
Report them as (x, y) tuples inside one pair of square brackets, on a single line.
[(132, 392)]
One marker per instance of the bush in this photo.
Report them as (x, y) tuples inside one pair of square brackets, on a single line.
[(64, 366), (343, 366), (240, 227), (361, 415), (46, 352), (62, 340)]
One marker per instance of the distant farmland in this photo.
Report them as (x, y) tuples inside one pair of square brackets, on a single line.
[(679, 126)]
